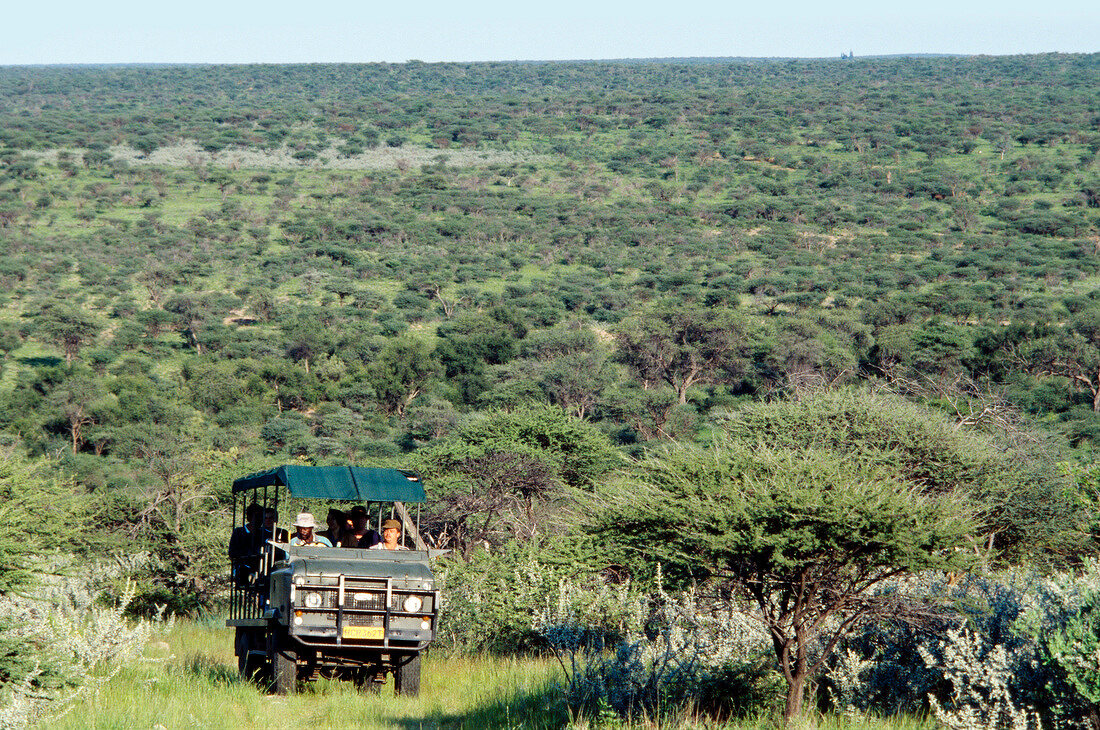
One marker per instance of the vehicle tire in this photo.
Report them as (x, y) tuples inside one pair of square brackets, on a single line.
[(240, 648), (406, 678), (284, 668), (246, 661)]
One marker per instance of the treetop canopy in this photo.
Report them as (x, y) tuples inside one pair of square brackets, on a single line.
[(351, 483)]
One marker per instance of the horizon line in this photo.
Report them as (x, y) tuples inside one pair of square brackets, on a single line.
[(626, 59)]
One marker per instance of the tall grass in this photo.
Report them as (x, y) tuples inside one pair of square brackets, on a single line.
[(189, 680)]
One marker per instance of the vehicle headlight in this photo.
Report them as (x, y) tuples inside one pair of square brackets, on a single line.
[(313, 600), (413, 604)]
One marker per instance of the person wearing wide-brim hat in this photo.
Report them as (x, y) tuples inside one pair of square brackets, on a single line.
[(304, 526), (391, 533)]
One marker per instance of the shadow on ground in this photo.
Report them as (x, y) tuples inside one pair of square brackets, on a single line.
[(540, 710), (40, 362)]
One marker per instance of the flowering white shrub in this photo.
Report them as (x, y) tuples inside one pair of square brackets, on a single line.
[(70, 630), (1013, 650), (981, 679), (644, 655)]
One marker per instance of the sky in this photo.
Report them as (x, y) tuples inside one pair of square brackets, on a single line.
[(278, 31)]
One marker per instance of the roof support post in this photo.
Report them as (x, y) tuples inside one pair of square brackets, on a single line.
[(410, 526)]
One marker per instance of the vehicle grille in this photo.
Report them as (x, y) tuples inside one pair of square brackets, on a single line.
[(358, 619), (355, 596), (362, 599), (363, 596)]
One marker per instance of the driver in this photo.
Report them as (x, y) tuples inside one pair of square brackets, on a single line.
[(304, 526)]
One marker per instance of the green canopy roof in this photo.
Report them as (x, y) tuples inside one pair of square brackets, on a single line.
[(353, 483)]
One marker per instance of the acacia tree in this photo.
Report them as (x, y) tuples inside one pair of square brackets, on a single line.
[(400, 373), (804, 536), (684, 346), (192, 312), (489, 495), (196, 314), (76, 400), (36, 505), (68, 326), (1078, 357), (566, 365), (183, 509), (496, 477), (1026, 514), (1071, 352)]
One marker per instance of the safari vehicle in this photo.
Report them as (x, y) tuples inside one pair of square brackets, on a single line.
[(302, 612)]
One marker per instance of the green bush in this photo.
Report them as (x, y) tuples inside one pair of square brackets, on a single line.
[(492, 601), (1072, 648)]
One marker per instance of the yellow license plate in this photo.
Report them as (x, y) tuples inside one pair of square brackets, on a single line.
[(364, 632)]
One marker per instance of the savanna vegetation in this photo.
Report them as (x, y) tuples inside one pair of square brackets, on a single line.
[(741, 388)]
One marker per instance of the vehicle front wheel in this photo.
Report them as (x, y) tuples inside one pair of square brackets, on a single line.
[(284, 666), (406, 678)]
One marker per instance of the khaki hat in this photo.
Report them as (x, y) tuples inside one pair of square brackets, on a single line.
[(391, 523), (305, 519)]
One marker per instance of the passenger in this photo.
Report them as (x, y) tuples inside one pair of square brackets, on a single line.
[(360, 536), (245, 542), (271, 516), (391, 534), (303, 533), (335, 532), (273, 533)]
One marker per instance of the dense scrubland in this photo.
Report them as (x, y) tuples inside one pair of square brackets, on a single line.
[(746, 389)]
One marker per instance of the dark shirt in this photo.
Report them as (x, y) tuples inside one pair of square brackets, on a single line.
[(281, 535), (370, 538), (241, 542), (244, 552)]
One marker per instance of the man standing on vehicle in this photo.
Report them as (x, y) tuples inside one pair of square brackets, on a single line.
[(391, 533), (244, 543), (274, 534), (271, 516)]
